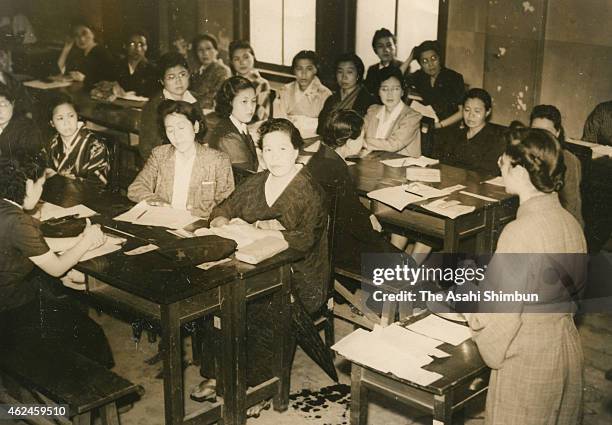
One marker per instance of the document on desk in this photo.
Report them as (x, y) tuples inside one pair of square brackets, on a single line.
[(112, 244), (49, 210), (399, 197), (451, 209), (407, 338), (426, 111), (148, 215), (496, 181), (421, 161), (601, 150), (43, 85), (418, 174), (441, 329)]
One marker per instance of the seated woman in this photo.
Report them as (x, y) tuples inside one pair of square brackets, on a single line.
[(24, 104), (174, 79), (242, 61), (135, 73), (211, 72), (83, 59), (301, 101), (236, 105), (384, 45), (548, 117), (477, 143), (356, 230), (536, 357), (287, 192), (23, 248), (351, 93), (19, 135), (392, 126), (74, 151), (184, 174)]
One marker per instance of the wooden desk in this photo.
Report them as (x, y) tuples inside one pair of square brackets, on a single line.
[(484, 223), (465, 377), (152, 285)]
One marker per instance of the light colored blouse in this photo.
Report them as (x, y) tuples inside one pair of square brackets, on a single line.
[(293, 101), (182, 177)]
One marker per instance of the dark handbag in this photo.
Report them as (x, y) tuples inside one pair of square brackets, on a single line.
[(198, 250)]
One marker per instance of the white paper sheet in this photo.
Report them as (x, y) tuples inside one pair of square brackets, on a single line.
[(241, 232), (148, 215), (49, 210), (476, 195), (426, 111), (133, 96), (451, 209), (496, 181), (431, 175), (601, 150), (441, 329), (421, 161), (112, 244), (37, 84), (398, 197)]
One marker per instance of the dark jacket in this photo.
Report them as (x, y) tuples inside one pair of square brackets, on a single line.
[(478, 153), (240, 148), (372, 80), (143, 81), (20, 138), (362, 103), (446, 94), (96, 66)]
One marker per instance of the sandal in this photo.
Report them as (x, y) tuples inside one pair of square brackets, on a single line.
[(255, 410), (205, 391)]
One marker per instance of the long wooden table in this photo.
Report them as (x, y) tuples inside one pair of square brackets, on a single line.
[(152, 285), (483, 225)]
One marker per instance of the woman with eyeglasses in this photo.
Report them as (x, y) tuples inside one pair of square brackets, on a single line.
[(135, 72), (173, 74), (392, 126)]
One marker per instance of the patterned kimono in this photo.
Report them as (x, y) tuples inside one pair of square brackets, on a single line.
[(262, 90), (87, 158), (302, 107)]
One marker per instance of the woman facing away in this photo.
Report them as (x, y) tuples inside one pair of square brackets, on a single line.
[(184, 173)]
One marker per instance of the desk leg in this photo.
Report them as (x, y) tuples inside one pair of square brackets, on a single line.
[(451, 239), (284, 350), (389, 310), (173, 371), (233, 362), (359, 397), (443, 413)]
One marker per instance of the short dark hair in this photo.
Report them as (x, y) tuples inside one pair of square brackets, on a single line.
[(308, 55), (284, 126), (540, 153), (342, 126), (551, 113), (477, 93), (205, 37), (228, 91), (382, 33), (191, 111), (60, 99), (7, 94), (14, 174), (170, 60), (391, 72), (355, 60), (425, 46), (85, 24), (239, 44), (137, 32)]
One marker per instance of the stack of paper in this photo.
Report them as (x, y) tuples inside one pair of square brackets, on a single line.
[(421, 161), (441, 329), (43, 85), (148, 215), (49, 211), (426, 111), (451, 209), (399, 197), (431, 175), (241, 232)]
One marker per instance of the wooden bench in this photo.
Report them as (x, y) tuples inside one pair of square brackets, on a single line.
[(63, 377)]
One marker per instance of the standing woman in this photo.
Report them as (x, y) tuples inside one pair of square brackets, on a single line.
[(393, 126), (236, 104), (534, 352), (351, 93), (174, 79), (83, 59), (211, 71), (183, 174), (242, 61), (74, 151), (384, 44), (301, 101), (477, 144)]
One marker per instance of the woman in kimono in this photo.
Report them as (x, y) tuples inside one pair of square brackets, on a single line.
[(211, 71), (351, 93), (74, 151), (534, 350), (242, 61), (288, 193)]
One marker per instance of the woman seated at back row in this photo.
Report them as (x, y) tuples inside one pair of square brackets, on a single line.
[(236, 104), (19, 135), (242, 61), (211, 72), (184, 174), (74, 151), (393, 126), (351, 93), (301, 101)]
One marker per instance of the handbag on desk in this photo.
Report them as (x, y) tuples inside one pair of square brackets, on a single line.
[(198, 250)]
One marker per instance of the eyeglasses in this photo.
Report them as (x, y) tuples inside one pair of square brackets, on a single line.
[(433, 59), (172, 77), (132, 44), (390, 89)]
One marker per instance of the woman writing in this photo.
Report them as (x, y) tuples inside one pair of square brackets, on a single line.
[(236, 104), (211, 72), (242, 61), (393, 126), (351, 93), (184, 174)]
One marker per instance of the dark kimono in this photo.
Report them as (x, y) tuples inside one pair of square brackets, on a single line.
[(359, 101), (479, 153), (23, 101), (88, 158), (143, 81), (96, 66), (20, 138), (354, 235), (240, 147), (445, 95)]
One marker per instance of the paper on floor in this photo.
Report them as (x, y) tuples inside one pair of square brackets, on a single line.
[(441, 329), (421, 161), (49, 210), (148, 215)]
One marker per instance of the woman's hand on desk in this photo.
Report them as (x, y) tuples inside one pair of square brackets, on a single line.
[(219, 222), (93, 235)]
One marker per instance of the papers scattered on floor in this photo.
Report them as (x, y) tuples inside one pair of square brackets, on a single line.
[(49, 211), (496, 181), (148, 215), (451, 209), (399, 197), (431, 175), (441, 329), (426, 111), (421, 161), (43, 85)]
